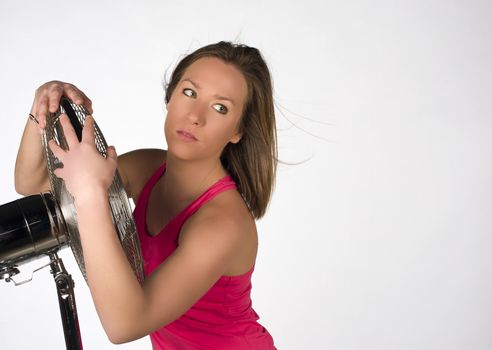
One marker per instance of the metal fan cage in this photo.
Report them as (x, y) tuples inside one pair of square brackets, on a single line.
[(118, 200)]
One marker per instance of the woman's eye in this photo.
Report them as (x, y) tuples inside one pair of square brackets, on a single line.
[(189, 92), (220, 108)]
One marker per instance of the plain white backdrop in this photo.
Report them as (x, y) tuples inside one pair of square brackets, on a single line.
[(380, 238)]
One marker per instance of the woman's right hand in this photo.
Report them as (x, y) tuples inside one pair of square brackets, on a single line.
[(48, 96)]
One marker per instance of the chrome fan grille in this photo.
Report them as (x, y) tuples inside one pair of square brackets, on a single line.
[(118, 200)]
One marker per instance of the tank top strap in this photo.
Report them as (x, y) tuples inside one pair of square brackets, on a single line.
[(171, 230), (224, 184)]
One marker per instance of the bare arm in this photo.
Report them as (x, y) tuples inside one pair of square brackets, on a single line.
[(129, 311), (31, 175)]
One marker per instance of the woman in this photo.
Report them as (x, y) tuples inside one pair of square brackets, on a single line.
[(195, 203)]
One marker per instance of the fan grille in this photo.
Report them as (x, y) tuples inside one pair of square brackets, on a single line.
[(118, 200)]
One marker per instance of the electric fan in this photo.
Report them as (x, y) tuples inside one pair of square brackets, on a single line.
[(40, 225)]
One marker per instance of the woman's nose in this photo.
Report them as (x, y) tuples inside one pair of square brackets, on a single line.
[(197, 113)]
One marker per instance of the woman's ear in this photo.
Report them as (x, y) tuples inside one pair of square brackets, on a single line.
[(236, 138)]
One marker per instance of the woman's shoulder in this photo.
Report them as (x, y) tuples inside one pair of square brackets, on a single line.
[(226, 218), (137, 166)]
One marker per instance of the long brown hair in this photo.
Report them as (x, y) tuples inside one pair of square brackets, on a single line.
[(252, 162)]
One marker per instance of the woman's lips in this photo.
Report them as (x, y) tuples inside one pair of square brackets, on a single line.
[(187, 136)]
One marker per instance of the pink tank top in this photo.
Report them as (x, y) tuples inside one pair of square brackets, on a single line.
[(223, 318)]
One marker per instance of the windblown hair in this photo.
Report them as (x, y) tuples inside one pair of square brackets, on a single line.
[(252, 162)]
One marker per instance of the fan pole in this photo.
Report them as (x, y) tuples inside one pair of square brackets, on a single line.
[(66, 300)]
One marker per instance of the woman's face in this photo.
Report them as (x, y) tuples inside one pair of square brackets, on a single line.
[(204, 110)]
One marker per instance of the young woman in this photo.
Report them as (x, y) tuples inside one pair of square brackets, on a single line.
[(195, 203)]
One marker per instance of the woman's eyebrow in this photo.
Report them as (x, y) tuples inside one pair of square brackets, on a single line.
[(193, 83), (216, 95)]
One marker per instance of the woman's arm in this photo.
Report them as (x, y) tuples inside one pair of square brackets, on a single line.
[(116, 292), (31, 175), (129, 311)]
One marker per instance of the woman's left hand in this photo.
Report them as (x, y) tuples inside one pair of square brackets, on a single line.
[(85, 171)]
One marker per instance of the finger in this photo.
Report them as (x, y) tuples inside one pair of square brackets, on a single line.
[(69, 131), (73, 93), (42, 111), (40, 104), (78, 97), (88, 131), (57, 150), (54, 96), (87, 103), (111, 153)]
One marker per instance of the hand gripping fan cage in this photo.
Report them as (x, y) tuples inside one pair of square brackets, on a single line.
[(40, 225), (118, 200)]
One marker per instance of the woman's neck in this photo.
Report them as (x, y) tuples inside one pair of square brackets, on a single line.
[(185, 180)]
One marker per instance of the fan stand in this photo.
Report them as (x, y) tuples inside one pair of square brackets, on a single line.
[(66, 300)]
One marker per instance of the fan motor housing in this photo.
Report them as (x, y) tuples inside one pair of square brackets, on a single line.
[(29, 227)]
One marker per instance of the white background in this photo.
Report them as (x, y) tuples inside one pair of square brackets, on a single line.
[(380, 238)]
